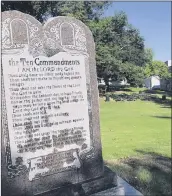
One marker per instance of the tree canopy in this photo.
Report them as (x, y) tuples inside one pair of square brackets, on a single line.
[(82, 10), (157, 68), (118, 45), (120, 50)]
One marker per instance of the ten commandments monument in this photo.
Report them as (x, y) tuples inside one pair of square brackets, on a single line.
[(50, 110)]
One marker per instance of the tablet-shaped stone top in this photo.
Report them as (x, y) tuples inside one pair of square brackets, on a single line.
[(21, 31)]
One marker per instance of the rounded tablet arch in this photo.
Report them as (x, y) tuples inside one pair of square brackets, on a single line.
[(83, 38), (67, 35), (19, 31)]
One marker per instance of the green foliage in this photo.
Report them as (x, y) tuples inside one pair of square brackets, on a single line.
[(134, 74), (83, 10), (157, 68), (148, 55), (120, 49)]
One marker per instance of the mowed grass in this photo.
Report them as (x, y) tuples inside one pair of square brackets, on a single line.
[(136, 143), (127, 127)]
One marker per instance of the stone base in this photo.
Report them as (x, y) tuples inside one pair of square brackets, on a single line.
[(115, 191), (109, 180), (93, 186)]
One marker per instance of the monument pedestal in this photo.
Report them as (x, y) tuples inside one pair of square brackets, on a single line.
[(115, 191), (107, 181), (91, 187)]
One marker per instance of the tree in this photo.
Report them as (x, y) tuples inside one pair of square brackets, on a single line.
[(133, 46), (117, 43), (82, 10), (157, 68), (134, 74), (148, 55)]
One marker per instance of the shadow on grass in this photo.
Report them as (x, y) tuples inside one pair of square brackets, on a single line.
[(164, 103), (151, 174), (163, 117), (166, 107), (126, 90), (114, 89), (158, 92)]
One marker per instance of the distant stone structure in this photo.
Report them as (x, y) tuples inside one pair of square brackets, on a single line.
[(152, 82), (168, 63), (166, 84)]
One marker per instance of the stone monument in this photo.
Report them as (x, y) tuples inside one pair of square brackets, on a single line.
[(50, 111)]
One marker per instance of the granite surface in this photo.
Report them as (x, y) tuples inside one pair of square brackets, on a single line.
[(23, 36)]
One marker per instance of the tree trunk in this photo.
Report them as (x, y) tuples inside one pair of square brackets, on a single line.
[(107, 84)]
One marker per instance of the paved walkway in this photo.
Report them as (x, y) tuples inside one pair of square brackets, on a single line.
[(128, 189), (123, 189)]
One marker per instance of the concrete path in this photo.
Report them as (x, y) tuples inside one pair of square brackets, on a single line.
[(128, 189), (123, 189)]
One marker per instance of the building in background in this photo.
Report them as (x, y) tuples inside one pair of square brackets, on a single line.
[(100, 81), (117, 83), (152, 82), (168, 63)]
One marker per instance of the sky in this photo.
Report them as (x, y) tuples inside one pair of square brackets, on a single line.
[(153, 19)]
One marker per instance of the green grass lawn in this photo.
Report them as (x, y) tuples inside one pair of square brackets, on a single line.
[(136, 142), (130, 126)]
